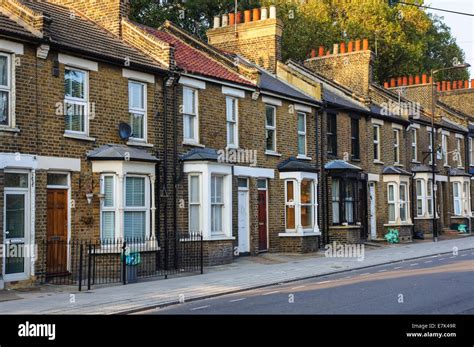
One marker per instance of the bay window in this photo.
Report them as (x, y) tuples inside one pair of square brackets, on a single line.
[(307, 204), (232, 124), (429, 197), (76, 100), (398, 201), (108, 208), (290, 205), (5, 89), (190, 116), (137, 109), (194, 204), (392, 203), (466, 198), (420, 197), (136, 208), (461, 196), (403, 202), (217, 204), (457, 198)]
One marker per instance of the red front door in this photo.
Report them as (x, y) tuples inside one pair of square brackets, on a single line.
[(262, 220), (56, 233)]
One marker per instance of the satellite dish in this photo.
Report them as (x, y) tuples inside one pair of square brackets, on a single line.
[(125, 131)]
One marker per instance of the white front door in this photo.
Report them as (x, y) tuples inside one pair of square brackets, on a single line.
[(373, 222), (16, 227), (243, 215)]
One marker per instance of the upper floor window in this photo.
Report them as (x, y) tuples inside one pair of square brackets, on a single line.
[(5, 89), (396, 146), (332, 133), (76, 100), (430, 146), (377, 142), (414, 144), (232, 124), (459, 151), (137, 109), (355, 144), (444, 148), (270, 128), (471, 151), (191, 117), (301, 133)]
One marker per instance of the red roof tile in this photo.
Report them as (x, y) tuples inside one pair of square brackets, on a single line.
[(192, 60)]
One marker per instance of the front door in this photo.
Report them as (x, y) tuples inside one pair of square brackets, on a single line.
[(373, 221), (262, 220), (57, 222), (243, 215), (16, 226)]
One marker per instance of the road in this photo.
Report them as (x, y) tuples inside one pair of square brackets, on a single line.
[(442, 284)]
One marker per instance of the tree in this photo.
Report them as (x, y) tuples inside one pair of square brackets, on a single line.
[(406, 39)]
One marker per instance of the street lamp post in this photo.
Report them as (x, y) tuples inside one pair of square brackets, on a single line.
[(433, 141)]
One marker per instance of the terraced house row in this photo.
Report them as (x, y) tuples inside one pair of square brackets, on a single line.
[(113, 130)]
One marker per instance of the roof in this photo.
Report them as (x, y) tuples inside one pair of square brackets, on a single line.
[(341, 165), (458, 172), (451, 125), (192, 60), (200, 154), (82, 34), (10, 26), (292, 164), (120, 152), (393, 170), (422, 168)]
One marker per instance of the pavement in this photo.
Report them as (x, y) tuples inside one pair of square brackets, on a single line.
[(439, 284), (244, 274)]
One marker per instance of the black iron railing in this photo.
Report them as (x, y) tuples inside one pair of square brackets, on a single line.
[(87, 263)]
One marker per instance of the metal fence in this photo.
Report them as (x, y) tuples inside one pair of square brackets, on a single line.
[(86, 263)]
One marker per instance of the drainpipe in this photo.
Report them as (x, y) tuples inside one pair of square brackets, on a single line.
[(175, 178), (165, 172)]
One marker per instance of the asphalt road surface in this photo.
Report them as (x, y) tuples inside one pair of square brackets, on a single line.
[(442, 284)]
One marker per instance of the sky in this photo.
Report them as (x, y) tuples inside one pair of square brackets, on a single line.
[(462, 27)]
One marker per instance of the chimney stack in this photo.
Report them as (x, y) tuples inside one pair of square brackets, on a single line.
[(258, 39)]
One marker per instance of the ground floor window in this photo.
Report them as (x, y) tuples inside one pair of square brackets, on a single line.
[(345, 199), (461, 197), (398, 202)]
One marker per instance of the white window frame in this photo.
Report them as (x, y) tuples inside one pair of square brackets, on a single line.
[(198, 203), (420, 197), (78, 101), (271, 128), (194, 140), (232, 122), (396, 145), (471, 151), (429, 197), (112, 208), (377, 143), (9, 89), (403, 203), (430, 146), (457, 199), (444, 149), (221, 204), (466, 191), (291, 204), (145, 208), (302, 133), (414, 144), (140, 111), (393, 201), (396, 181), (459, 141)]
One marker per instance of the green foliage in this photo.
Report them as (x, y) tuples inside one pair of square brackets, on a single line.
[(406, 39), (392, 236)]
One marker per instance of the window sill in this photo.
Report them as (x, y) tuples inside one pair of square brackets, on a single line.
[(425, 218), (348, 226), (191, 143), (219, 238), (139, 144), (274, 154), (378, 162), (303, 157), (9, 130), (398, 165), (295, 234), (406, 224), (457, 217), (416, 162), (79, 137)]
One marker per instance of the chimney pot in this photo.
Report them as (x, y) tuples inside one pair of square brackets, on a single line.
[(256, 14), (466, 84), (321, 51), (217, 22), (424, 79), (448, 85), (439, 86), (273, 12), (405, 80), (399, 81), (231, 18), (455, 85), (328, 52), (417, 79), (410, 80), (264, 13), (343, 47), (238, 18), (313, 53), (385, 85), (472, 83), (460, 84), (357, 45), (443, 86), (393, 83), (225, 20), (335, 49), (350, 47), (431, 80), (365, 44), (247, 16)]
